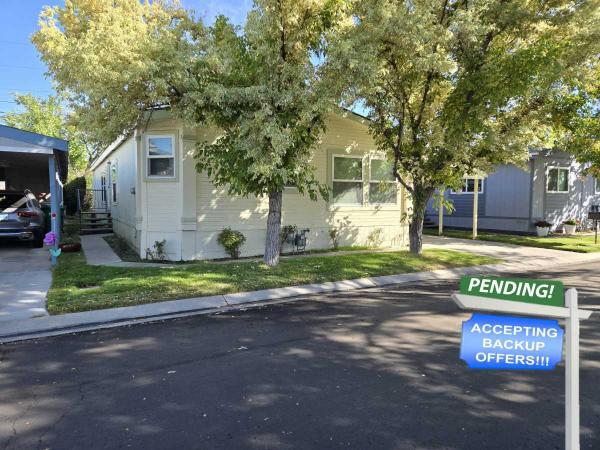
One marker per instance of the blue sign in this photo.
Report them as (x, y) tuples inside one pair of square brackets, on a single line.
[(511, 343)]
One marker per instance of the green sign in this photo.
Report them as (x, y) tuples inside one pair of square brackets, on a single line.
[(539, 292)]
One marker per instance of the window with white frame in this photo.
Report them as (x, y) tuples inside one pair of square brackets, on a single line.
[(468, 186), (557, 180), (160, 154), (347, 179), (103, 187), (596, 185), (382, 184), (113, 180)]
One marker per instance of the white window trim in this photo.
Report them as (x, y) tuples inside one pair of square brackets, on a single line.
[(394, 182), (114, 168), (148, 156), (481, 183), (548, 169), (362, 180)]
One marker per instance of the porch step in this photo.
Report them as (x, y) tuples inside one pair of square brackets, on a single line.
[(103, 230), (94, 214), (95, 222)]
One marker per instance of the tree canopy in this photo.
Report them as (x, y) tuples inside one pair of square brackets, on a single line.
[(48, 116), (113, 60)]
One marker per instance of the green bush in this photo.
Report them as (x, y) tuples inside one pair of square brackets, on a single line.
[(231, 241), (70, 194)]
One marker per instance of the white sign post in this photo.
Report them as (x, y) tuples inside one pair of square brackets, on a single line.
[(572, 372), (572, 316)]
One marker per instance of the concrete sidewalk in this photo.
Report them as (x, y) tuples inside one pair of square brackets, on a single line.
[(98, 253), (508, 252), (517, 259)]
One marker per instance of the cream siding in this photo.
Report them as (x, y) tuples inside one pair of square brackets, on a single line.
[(123, 210), (188, 211), (216, 209)]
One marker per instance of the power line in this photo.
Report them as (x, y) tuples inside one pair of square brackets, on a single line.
[(15, 43), (8, 66), (25, 90)]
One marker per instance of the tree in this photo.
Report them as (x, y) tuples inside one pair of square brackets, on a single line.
[(47, 116), (453, 87), (266, 94), (115, 60), (574, 108)]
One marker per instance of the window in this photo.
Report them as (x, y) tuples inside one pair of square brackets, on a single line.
[(113, 181), (103, 187), (557, 179), (596, 186), (160, 156), (382, 185), (347, 180), (468, 186)]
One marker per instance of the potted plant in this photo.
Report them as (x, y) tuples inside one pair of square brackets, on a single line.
[(569, 226), (542, 228)]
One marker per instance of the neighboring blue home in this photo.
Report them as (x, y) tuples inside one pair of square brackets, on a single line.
[(512, 199)]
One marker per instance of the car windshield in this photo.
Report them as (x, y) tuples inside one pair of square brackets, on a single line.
[(9, 200)]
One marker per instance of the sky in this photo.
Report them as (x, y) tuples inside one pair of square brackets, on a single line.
[(21, 70)]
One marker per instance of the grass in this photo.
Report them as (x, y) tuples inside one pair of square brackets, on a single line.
[(79, 287), (577, 243)]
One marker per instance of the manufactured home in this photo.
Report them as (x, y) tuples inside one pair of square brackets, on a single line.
[(149, 186), (552, 187)]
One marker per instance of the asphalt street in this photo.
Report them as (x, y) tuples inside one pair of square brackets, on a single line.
[(371, 369)]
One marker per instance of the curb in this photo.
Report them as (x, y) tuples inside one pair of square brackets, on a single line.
[(20, 330)]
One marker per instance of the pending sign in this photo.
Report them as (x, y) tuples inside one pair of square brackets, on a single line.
[(511, 343), (524, 343), (540, 292)]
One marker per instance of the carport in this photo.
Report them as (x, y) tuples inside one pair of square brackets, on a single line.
[(36, 162)]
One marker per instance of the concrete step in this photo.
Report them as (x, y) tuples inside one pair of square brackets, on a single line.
[(96, 220), (94, 214), (102, 230)]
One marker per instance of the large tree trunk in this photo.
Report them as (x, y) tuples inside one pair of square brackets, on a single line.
[(273, 243), (420, 197)]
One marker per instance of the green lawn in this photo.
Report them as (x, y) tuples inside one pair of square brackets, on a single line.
[(79, 287), (580, 244)]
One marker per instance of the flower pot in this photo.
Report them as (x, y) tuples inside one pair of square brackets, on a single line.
[(542, 231), (569, 229), (71, 247)]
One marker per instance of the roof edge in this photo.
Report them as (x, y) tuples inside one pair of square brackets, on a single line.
[(30, 137)]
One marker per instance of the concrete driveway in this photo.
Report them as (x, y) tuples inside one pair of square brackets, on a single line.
[(24, 281)]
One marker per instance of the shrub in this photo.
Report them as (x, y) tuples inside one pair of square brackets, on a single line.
[(542, 224), (570, 222), (70, 194), (157, 253), (231, 241), (286, 230)]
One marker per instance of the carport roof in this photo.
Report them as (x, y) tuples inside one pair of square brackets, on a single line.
[(21, 141)]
